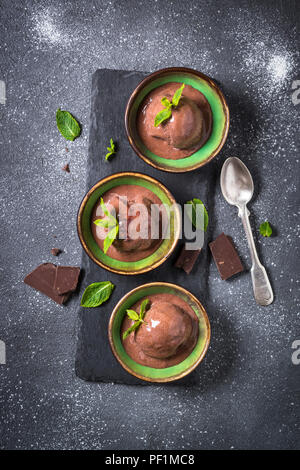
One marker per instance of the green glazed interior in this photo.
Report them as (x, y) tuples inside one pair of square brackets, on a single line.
[(161, 252), (218, 113), (149, 373)]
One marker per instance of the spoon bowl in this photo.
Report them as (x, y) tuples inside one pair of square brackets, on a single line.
[(236, 182)]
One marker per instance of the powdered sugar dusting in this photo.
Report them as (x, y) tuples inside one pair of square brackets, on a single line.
[(266, 59), (279, 68), (49, 30)]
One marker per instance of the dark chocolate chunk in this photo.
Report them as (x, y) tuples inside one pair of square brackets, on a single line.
[(55, 251), (66, 279), (226, 257), (66, 168), (42, 279), (187, 259)]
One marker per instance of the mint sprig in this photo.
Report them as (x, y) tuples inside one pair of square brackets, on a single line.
[(111, 150), (265, 229), (166, 113), (109, 223), (138, 318)]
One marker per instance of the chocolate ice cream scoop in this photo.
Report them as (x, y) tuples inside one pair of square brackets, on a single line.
[(132, 236), (186, 124), (142, 240), (167, 327), (132, 206), (184, 132)]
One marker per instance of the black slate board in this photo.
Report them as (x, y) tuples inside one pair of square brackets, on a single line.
[(110, 92)]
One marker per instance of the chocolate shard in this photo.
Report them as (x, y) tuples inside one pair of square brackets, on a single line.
[(66, 279), (187, 259), (55, 251), (42, 279), (66, 168), (225, 256)]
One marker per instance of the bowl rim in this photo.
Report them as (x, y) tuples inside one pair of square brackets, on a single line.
[(189, 369), (147, 80), (83, 204)]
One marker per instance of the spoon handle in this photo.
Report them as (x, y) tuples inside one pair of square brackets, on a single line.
[(261, 285)]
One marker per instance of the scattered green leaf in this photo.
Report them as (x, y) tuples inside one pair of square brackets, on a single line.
[(67, 125), (265, 229), (138, 318), (166, 113), (194, 203), (111, 150), (97, 293)]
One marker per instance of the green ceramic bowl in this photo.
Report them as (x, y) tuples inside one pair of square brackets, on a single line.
[(218, 105), (88, 241), (148, 373)]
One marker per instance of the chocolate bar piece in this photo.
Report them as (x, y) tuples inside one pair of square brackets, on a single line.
[(42, 279), (57, 282), (225, 256), (55, 251), (187, 259), (66, 168), (66, 279)]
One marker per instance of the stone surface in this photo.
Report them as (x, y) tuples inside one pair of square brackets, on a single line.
[(249, 393)]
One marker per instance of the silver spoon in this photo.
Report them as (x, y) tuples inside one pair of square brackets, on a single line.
[(237, 188)]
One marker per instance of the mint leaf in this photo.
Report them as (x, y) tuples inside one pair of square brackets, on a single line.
[(97, 293), (104, 208), (177, 95), (133, 315), (67, 125), (194, 203), (110, 238), (166, 102), (106, 223), (265, 229), (131, 329), (162, 116), (143, 308)]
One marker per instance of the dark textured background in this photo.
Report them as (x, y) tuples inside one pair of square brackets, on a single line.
[(249, 397)]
